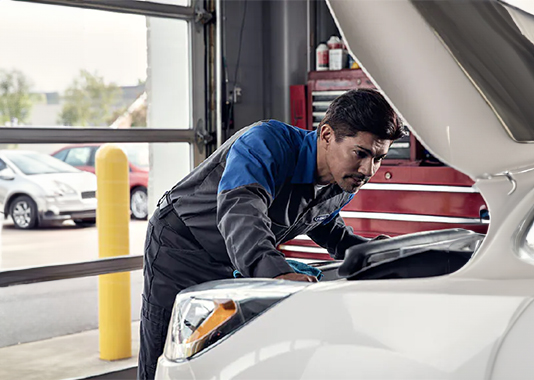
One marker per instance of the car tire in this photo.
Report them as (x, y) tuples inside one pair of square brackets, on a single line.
[(139, 203), (24, 213), (85, 222)]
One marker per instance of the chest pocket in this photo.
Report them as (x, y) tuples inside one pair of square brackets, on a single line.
[(312, 218), (291, 215), (302, 224)]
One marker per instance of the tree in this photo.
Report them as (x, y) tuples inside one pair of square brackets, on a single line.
[(15, 98), (89, 101)]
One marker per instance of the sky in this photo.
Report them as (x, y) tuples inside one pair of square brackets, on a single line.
[(50, 44)]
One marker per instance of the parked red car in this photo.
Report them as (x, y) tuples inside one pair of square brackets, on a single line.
[(82, 156)]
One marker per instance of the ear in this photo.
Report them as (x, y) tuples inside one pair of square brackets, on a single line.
[(327, 133)]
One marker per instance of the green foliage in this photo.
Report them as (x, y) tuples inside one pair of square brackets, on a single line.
[(15, 99), (89, 101), (38, 98)]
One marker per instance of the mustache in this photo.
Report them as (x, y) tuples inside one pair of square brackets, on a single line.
[(363, 178)]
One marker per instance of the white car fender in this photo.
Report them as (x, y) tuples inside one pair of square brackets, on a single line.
[(352, 330)]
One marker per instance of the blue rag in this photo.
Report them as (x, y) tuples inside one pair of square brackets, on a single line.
[(298, 267)]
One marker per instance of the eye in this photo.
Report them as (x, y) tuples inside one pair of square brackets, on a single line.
[(360, 154), (379, 159)]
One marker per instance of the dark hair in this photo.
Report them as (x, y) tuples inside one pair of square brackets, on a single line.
[(363, 111)]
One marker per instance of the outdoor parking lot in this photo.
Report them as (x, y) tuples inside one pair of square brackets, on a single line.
[(45, 310), (63, 243)]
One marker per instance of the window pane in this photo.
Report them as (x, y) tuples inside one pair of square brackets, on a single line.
[(69, 308), (78, 67), (137, 155), (82, 68), (61, 155), (63, 199), (66, 309), (168, 68), (79, 156)]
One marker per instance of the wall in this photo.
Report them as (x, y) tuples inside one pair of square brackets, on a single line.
[(168, 102), (325, 25), (252, 61), (273, 56), (287, 53)]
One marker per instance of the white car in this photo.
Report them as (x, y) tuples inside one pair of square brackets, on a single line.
[(36, 189), (435, 305)]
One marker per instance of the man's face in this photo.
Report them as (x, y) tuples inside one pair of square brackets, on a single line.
[(354, 160)]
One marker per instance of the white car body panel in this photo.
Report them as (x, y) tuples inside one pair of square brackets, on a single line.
[(80, 182), (41, 187), (476, 323), (410, 329)]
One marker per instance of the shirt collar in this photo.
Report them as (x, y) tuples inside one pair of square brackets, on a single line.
[(307, 161)]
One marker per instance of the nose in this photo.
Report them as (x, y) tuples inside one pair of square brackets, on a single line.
[(367, 167)]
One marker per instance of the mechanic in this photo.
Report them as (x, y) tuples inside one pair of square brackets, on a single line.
[(267, 184)]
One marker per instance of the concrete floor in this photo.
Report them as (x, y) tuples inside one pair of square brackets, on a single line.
[(59, 244), (35, 312), (72, 356), (40, 311), (126, 374)]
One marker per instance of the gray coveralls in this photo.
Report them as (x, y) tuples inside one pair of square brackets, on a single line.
[(255, 192)]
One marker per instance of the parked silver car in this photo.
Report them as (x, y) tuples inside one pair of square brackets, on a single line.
[(36, 188)]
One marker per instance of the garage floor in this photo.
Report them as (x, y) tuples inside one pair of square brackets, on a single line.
[(127, 374), (73, 356)]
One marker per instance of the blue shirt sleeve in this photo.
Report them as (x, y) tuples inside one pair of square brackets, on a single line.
[(257, 164), (263, 155)]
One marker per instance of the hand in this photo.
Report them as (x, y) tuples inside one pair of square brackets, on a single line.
[(296, 277), (380, 237)]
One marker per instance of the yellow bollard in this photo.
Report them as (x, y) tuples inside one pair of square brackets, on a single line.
[(112, 220)]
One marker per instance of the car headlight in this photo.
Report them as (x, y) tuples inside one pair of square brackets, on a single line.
[(64, 188), (58, 189), (205, 314)]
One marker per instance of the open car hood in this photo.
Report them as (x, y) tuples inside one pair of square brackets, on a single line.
[(461, 73)]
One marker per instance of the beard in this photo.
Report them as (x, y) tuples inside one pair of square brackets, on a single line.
[(352, 183)]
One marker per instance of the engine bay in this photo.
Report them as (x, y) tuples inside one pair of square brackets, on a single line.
[(419, 255)]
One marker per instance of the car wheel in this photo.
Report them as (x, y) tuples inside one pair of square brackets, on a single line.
[(85, 222), (139, 203), (23, 211)]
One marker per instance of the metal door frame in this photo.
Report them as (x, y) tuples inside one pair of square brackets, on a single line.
[(197, 135)]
